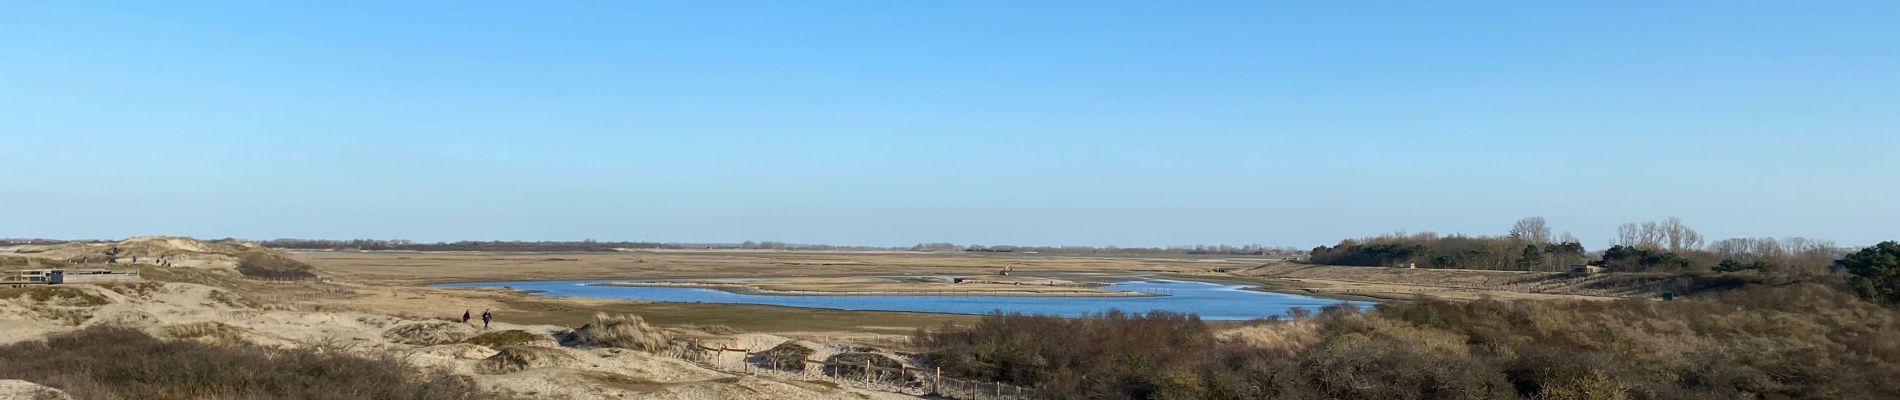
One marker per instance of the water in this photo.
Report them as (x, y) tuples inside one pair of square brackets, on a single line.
[(1213, 301)]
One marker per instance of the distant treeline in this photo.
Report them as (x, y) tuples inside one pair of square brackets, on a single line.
[(1666, 246), (599, 246), (544, 246), (1201, 249)]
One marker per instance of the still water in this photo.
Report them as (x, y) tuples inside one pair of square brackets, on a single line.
[(1213, 301)]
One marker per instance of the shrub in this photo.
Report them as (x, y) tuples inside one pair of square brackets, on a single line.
[(429, 333), (850, 365), (505, 338), (1876, 272), (513, 359), (269, 265), (789, 356), (1731, 339), (120, 363), (625, 331)]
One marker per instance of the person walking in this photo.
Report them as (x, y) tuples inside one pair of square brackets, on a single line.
[(486, 317), (465, 317)]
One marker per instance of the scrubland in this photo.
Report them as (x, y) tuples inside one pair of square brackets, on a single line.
[(1800, 340)]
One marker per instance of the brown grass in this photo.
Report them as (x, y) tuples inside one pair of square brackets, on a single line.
[(57, 295), (123, 364)]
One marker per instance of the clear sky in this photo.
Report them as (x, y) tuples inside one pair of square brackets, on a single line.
[(897, 122)]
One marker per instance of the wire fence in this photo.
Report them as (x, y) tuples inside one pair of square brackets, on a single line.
[(900, 379)]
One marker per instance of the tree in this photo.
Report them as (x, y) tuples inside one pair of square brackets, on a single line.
[(1531, 229), (1531, 258), (1680, 237), (1876, 272)]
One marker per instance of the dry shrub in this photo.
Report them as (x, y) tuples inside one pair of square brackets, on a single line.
[(626, 331), (118, 363), (506, 338), (56, 295), (142, 290), (209, 330), (789, 356), (429, 333), (710, 329), (1274, 335), (1760, 341), (850, 365), (270, 265), (513, 359)]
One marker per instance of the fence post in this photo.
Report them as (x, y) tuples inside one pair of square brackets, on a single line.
[(998, 387), (867, 371), (936, 385)]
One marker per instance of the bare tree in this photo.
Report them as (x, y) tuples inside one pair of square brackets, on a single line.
[(1679, 237), (1628, 235), (1531, 229)]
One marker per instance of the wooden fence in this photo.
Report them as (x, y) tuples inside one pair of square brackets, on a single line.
[(901, 379)]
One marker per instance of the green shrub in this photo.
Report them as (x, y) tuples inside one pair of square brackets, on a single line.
[(1876, 272)]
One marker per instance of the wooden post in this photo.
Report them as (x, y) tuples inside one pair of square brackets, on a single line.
[(936, 384), (999, 388), (867, 370)]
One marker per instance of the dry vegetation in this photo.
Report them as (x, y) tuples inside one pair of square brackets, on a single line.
[(512, 337), (118, 363), (1769, 341), (624, 331), (272, 265)]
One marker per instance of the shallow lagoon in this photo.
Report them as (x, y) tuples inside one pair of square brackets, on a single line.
[(1213, 301)]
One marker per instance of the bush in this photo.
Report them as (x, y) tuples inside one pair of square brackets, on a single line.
[(429, 333), (120, 363), (850, 365), (625, 331), (506, 338), (789, 356), (269, 265), (513, 359), (1876, 272)]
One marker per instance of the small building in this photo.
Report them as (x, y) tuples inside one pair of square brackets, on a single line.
[(58, 276), (1586, 269)]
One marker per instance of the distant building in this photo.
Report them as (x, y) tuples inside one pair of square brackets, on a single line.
[(1586, 269), (59, 276)]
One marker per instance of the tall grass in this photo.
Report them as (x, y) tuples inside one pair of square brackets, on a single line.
[(118, 363)]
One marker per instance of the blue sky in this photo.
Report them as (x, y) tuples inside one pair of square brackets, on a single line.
[(890, 123)]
